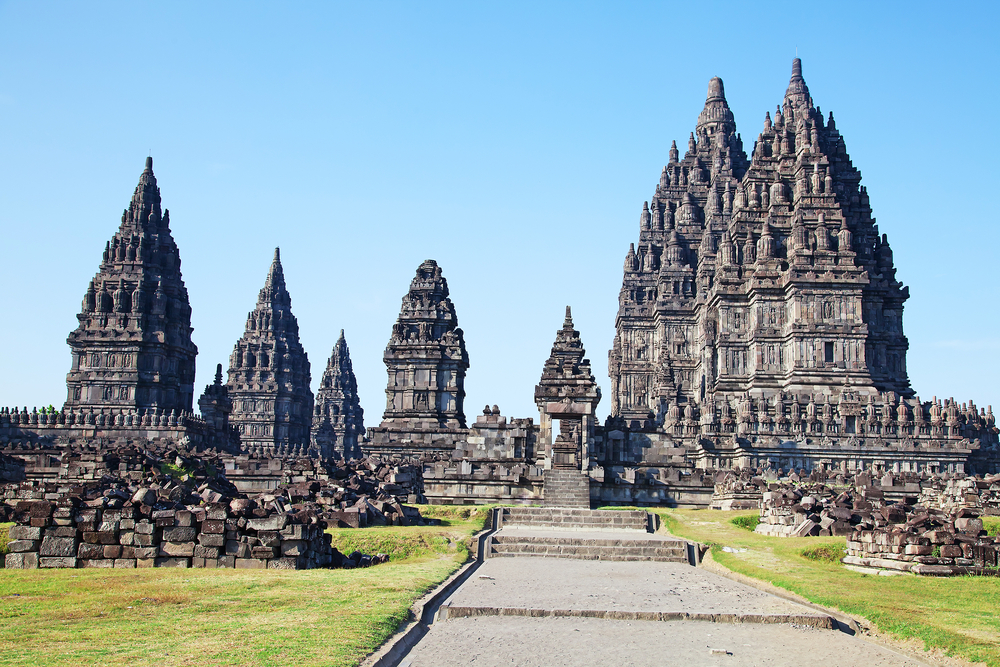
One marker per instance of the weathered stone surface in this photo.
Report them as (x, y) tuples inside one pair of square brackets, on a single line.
[(56, 561), (58, 547), (179, 534), (273, 522), (251, 564), (177, 549), (21, 561)]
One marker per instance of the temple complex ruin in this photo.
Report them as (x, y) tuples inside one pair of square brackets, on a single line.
[(759, 329)]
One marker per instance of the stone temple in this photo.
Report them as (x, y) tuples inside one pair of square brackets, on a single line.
[(133, 349), (269, 375), (759, 328), (338, 424)]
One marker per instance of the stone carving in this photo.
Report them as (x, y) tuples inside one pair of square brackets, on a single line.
[(133, 349), (338, 420), (269, 375)]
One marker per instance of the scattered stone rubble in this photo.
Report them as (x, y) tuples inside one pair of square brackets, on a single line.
[(172, 510), (787, 510)]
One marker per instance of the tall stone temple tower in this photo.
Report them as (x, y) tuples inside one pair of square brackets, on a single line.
[(426, 362), (338, 421), (133, 349), (269, 375), (752, 280)]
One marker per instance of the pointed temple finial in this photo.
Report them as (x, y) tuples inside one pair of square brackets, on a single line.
[(568, 322), (149, 164), (716, 91), (218, 374), (341, 339), (277, 255), (797, 90)]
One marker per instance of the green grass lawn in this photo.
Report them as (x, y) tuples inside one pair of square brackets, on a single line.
[(956, 614), (230, 617)]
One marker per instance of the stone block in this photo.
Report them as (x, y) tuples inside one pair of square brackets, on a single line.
[(25, 533), (142, 528), (89, 551), (969, 525), (100, 537), (212, 563), (145, 552), (124, 563), (284, 564), (179, 534), (951, 551), (197, 562), (143, 540), (21, 561), (112, 551), (145, 562), (126, 539), (216, 511), (58, 547), (205, 552), (216, 540), (251, 564), (177, 549), (237, 549), (126, 524), (213, 526), (918, 550), (173, 562), (97, 562), (128, 553), (263, 552), (227, 561), (294, 548), (269, 538), (60, 531), (57, 561), (19, 546), (274, 522), (183, 518)]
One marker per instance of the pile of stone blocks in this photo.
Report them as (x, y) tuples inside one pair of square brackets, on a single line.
[(923, 540), (138, 533), (737, 491), (809, 510)]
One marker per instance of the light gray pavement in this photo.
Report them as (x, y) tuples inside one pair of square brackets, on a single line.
[(502, 588), (566, 642), (565, 583)]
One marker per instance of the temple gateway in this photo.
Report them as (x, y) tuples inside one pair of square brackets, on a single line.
[(759, 328)]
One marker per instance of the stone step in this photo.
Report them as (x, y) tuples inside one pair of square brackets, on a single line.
[(576, 518), (669, 551)]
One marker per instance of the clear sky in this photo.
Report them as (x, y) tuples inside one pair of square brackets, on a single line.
[(512, 142)]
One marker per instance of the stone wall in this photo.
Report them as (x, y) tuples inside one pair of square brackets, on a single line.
[(74, 533)]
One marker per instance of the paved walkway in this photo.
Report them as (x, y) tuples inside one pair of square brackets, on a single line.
[(552, 612)]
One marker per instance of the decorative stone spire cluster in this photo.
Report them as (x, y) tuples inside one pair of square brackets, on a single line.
[(338, 420), (269, 375), (132, 349), (426, 361), (760, 276)]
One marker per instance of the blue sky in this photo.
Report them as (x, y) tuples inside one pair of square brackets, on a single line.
[(512, 142)]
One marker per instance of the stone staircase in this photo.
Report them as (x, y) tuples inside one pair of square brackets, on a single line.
[(612, 535), (564, 518), (566, 488)]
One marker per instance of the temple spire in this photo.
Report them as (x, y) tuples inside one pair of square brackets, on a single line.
[(797, 92)]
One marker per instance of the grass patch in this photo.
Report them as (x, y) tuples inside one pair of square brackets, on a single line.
[(746, 521), (4, 539), (256, 618), (825, 553), (992, 525), (954, 614)]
